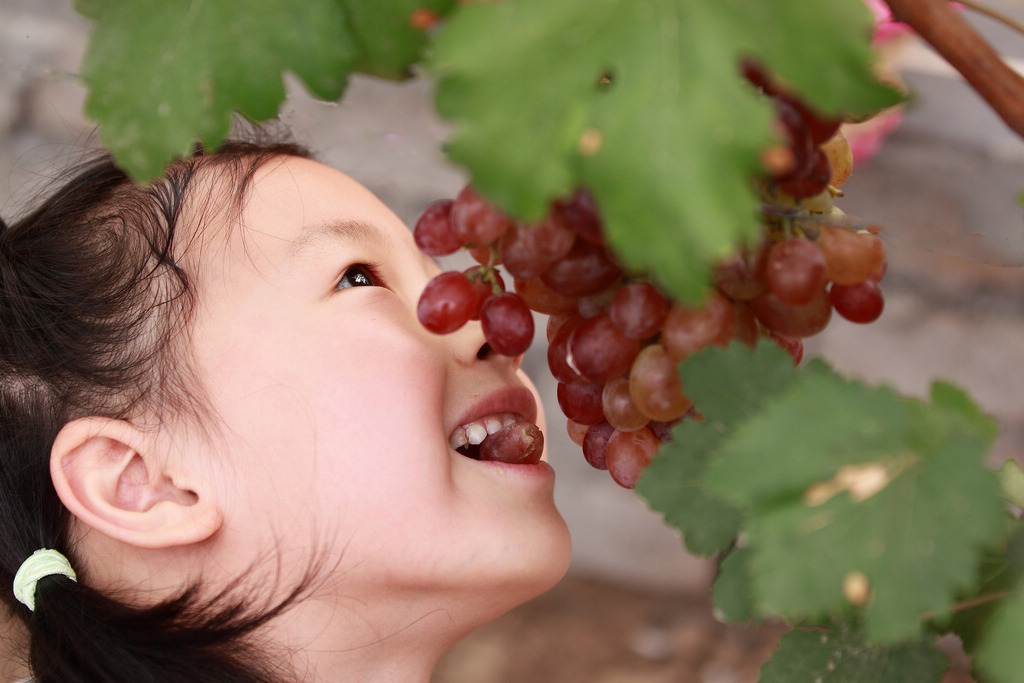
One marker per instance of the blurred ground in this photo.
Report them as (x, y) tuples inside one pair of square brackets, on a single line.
[(635, 607)]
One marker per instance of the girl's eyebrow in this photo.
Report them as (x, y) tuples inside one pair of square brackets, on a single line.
[(342, 229)]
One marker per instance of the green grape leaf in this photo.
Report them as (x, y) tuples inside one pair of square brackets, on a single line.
[(164, 74), (389, 44), (870, 483), (999, 655), (731, 591), (550, 95), (825, 421), (999, 571), (672, 485), (729, 386), (842, 656)]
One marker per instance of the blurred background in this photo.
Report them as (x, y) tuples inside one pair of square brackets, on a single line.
[(635, 607)]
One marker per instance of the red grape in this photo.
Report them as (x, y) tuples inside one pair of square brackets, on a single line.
[(433, 232), (859, 303), (579, 214), (619, 408), (580, 402), (688, 330), (793, 321), (549, 239), (475, 220), (542, 298), (638, 310), (507, 323), (655, 385), (850, 257), (517, 258), (586, 269), (599, 351), (576, 431), (795, 271), (595, 445), (447, 302), (628, 454), (558, 351)]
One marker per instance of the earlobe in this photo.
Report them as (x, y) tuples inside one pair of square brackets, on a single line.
[(113, 478)]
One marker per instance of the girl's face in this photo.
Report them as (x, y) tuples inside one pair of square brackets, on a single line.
[(335, 406)]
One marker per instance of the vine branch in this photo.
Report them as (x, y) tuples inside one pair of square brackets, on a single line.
[(967, 52)]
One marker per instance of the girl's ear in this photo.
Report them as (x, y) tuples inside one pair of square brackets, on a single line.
[(110, 475)]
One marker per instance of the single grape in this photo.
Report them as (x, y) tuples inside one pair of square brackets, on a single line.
[(586, 269), (447, 302), (638, 310), (850, 257), (581, 402), (519, 442), (795, 271), (576, 431), (579, 213), (595, 445), (599, 351), (619, 408), (655, 385), (549, 240), (475, 220), (558, 351), (542, 298), (507, 324), (688, 330), (793, 321), (628, 454), (433, 231), (517, 258), (859, 303)]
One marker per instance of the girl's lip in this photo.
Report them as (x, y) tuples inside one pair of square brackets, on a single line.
[(508, 399)]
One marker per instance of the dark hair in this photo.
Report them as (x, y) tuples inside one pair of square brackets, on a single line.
[(92, 311)]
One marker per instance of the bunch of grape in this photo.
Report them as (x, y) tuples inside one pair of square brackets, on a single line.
[(615, 338)]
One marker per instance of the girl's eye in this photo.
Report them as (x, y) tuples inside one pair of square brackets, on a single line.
[(359, 275)]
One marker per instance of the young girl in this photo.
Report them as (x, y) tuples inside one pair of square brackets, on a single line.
[(224, 435)]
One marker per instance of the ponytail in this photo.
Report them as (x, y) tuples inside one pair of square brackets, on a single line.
[(91, 307)]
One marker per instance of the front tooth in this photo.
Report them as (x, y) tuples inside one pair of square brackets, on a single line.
[(476, 433), (507, 419), (492, 424), (459, 438)]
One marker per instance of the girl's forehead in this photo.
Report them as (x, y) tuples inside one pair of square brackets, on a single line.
[(289, 203), (296, 198)]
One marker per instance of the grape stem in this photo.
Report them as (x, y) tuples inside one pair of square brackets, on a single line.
[(942, 27)]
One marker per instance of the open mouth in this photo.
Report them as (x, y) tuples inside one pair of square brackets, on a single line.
[(503, 437)]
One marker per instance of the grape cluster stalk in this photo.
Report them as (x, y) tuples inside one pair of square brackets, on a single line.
[(615, 338)]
